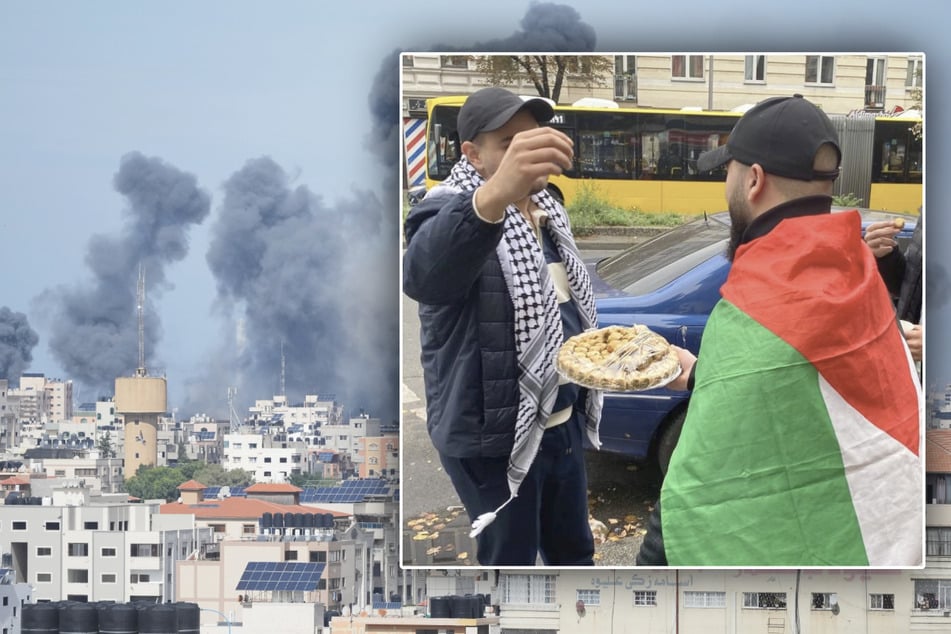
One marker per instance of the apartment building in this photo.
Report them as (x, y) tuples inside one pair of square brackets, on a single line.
[(9, 416), (13, 596), (42, 399), (110, 551), (378, 456), (268, 458)]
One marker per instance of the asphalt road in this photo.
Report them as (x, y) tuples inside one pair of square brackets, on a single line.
[(435, 527)]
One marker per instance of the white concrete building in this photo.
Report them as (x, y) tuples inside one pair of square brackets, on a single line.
[(114, 551), (44, 400), (13, 596), (268, 459)]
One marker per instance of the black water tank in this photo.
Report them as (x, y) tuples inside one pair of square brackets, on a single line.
[(279, 520), (189, 617), (328, 520), (119, 618), (267, 520), (476, 606), (329, 614), (158, 619), (299, 520), (78, 618), (39, 618), (311, 520), (459, 607), (440, 607)]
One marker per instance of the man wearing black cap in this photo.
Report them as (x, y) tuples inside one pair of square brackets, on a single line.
[(500, 284), (805, 399)]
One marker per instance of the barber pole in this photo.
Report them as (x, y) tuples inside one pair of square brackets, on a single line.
[(414, 146)]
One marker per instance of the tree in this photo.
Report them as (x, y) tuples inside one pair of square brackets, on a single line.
[(105, 446), (151, 483), (547, 73)]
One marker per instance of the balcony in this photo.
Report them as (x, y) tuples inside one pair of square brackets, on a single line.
[(875, 98)]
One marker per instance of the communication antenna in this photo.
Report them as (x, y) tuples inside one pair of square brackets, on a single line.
[(140, 314), (283, 391), (232, 414)]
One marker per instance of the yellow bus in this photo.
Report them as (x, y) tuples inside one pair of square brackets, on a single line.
[(645, 158)]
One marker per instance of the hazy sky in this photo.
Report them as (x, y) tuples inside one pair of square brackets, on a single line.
[(236, 95)]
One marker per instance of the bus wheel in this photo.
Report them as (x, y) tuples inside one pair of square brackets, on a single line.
[(668, 440)]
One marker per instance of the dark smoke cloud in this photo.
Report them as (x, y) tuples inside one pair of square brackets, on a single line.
[(94, 332), (291, 269), (17, 341), (547, 27)]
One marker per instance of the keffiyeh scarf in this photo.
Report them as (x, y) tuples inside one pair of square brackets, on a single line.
[(538, 330)]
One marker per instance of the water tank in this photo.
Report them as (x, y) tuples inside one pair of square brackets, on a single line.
[(119, 618), (39, 618), (299, 520), (279, 520), (267, 520), (290, 520), (78, 618), (310, 520), (476, 606), (189, 617), (158, 619), (459, 606), (328, 520), (440, 607)]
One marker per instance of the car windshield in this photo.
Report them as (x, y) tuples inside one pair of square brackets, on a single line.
[(646, 267)]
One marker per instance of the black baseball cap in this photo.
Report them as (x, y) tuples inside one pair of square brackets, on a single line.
[(781, 134), (491, 108)]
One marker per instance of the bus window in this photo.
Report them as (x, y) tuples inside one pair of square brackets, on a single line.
[(896, 153), (442, 147), (606, 146)]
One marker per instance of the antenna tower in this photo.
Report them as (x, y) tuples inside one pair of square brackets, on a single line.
[(140, 315), (283, 390), (232, 414)]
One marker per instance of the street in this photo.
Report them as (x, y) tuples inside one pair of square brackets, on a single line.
[(435, 526)]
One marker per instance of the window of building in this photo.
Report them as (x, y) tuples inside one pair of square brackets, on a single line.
[(933, 594), (52, 526), (824, 600), (44, 577), (528, 589), (913, 78), (267, 474), (290, 555), (43, 551), (283, 459), (267, 459), (77, 575), (217, 528), (108, 577), (454, 61), (820, 69), (78, 550), (881, 602), (59, 473), (252, 445), (91, 526), (18, 526), (645, 597), (702, 599), (588, 597), (108, 552), (138, 578), (755, 70), (318, 556), (686, 66), (249, 529), (145, 550), (765, 600)]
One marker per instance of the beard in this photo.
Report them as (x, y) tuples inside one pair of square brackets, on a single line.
[(739, 222)]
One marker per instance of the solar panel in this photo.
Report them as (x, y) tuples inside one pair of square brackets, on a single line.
[(281, 575), (238, 492), (347, 492), (211, 492)]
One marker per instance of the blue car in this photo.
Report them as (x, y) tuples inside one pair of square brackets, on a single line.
[(670, 284)]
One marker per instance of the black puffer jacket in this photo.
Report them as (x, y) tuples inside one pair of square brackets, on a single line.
[(467, 327), (902, 275)]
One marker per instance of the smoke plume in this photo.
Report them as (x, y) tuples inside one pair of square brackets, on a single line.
[(17, 341), (295, 272), (94, 332)]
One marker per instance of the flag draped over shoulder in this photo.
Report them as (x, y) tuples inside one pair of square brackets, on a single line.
[(802, 441)]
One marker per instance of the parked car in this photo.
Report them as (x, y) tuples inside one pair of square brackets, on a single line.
[(669, 283)]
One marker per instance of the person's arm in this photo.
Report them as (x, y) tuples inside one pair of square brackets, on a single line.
[(880, 238), (687, 364), (446, 247)]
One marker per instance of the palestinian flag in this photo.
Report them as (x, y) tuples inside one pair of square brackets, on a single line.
[(802, 443)]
